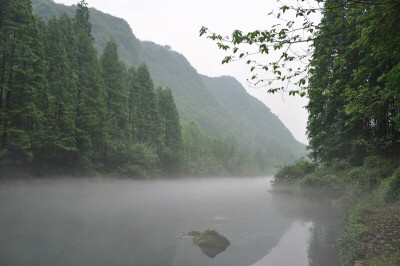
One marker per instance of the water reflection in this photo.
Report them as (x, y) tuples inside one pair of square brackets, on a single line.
[(292, 247), (89, 222), (322, 246)]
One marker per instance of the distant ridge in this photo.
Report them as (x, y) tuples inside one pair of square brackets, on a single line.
[(221, 106)]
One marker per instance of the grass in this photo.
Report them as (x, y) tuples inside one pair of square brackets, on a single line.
[(385, 260), (349, 238), (355, 224)]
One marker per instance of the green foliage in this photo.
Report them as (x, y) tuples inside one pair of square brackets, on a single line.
[(91, 100), (172, 154), (393, 187), (383, 167), (116, 122), (362, 176), (60, 109), (349, 238), (208, 156), (323, 182), (386, 260), (145, 163), (59, 137), (352, 110), (338, 164), (291, 173), (22, 82), (199, 160), (350, 242), (374, 170), (148, 120)]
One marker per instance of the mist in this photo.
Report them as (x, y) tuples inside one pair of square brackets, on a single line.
[(125, 222)]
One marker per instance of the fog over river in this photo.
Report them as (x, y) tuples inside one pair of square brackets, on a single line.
[(129, 222)]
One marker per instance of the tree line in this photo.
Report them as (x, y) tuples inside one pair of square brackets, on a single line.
[(63, 109), (354, 82)]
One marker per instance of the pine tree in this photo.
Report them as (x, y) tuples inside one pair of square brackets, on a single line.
[(148, 121), (60, 110), (91, 98), (21, 81), (133, 105), (171, 131), (116, 129)]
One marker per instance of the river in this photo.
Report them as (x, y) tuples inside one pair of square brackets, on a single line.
[(131, 222)]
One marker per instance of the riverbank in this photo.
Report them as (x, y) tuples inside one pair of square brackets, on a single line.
[(30, 172), (371, 231), (367, 198), (380, 240)]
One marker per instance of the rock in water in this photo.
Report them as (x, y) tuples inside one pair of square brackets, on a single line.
[(211, 242)]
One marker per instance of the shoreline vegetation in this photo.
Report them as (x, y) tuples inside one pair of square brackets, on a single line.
[(367, 198)]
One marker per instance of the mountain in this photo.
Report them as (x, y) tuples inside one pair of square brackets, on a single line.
[(221, 106), (253, 121)]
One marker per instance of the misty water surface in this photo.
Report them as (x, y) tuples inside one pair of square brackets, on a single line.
[(123, 222)]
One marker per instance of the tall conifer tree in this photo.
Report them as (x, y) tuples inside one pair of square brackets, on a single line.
[(133, 105), (91, 98), (148, 119), (114, 76), (21, 81), (61, 105), (171, 130)]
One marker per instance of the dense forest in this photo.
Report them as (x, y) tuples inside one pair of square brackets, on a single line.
[(65, 110), (354, 94), (353, 88)]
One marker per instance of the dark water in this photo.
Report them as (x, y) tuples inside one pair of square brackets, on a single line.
[(97, 222)]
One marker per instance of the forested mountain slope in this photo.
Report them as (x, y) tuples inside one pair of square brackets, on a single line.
[(220, 106), (250, 121)]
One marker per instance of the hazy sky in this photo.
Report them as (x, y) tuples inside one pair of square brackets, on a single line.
[(177, 23)]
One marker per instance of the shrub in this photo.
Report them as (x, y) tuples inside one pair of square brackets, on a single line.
[(339, 164), (323, 184), (366, 178), (372, 173), (356, 174), (374, 161), (379, 166), (290, 173), (316, 180), (393, 187)]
